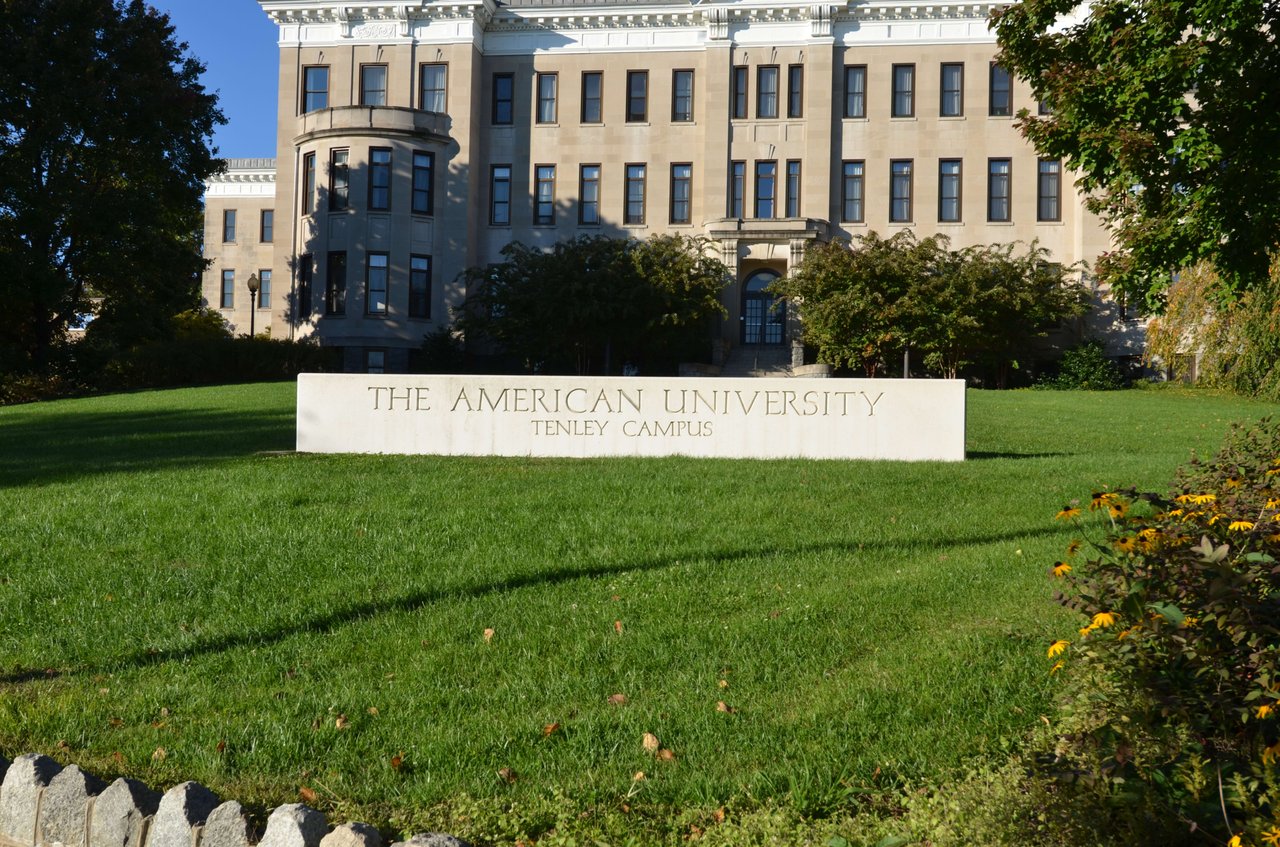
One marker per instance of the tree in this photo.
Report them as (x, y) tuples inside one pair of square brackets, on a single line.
[(104, 131), (594, 302), (1169, 112)]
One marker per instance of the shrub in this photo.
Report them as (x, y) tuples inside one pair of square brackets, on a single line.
[(1086, 367), (213, 360)]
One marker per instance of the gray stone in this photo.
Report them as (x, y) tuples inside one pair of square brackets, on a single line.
[(352, 835), (293, 825), (226, 827), (432, 839), (23, 781), (66, 800), (119, 813), (182, 808)]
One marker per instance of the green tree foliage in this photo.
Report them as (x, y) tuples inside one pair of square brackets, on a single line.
[(1169, 112), (595, 302), (104, 131)]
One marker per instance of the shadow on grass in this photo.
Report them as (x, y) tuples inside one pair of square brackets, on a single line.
[(416, 601), (979, 455)]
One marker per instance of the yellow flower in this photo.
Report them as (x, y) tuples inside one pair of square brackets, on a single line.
[(1233, 482), (1234, 842), (1274, 539), (1270, 753), (1241, 525), (1100, 499), (1175, 513), (1057, 647), (1265, 710), (1273, 503), (1061, 569), (1104, 619), (1118, 509), (1183, 498), (1273, 471), (1057, 666), (1271, 837), (1067, 513), (1084, 631), (1125, 543), (1201, 499), (1074, 546)]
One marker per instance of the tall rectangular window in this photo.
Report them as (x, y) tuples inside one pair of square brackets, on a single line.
[(681, 193), (737, 189), (795, 91), (424, 166), (548, 88), (228, 290), (589, 194), (949, 190), (308, 183), (339, 180), (900, 190), (335, 284), (1000, 92), (544, 200), (634, 212), (373, 85), (851, 193), (637, 96), (793, 188), (739, 92), (306, 272), (376, 272), (419, 286), (375, 361), (592, 96), (904, 91), (500, 195), (228, 225), (681, 96), (315, 88), (267, 226), (433, 82), (1049, 190), (766, 189), (855, 91), (767, 91), (379, 179), (504, 88), (952, 102), (264, 288), (999, 172)]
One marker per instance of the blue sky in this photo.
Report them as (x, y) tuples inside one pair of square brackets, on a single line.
[(237, 44)]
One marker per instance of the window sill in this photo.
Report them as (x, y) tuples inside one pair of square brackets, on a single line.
[(999, 223), (951, 117), (903, 119)]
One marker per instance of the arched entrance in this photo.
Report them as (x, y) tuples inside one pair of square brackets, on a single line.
[(764, 316)]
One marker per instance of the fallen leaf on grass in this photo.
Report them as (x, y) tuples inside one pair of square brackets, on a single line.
[(719, 815), (617, 627), (639, 777), (724, 683), (373, 710), (488, 635), (397, 761), (650, 742), (118, 756), (617, 699), (115, 723), (549, 729), (341, 722), (722, 706), (222, 746), (63, 745), (665, 755), (308, 796), (507, 775), (159, 755)]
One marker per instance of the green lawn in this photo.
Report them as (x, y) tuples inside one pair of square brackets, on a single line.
[(167, 585)]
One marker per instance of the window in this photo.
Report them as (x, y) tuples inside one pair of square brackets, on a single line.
[(634, 212), (766, 188), (592, 92), (949, 190), (851, 185), (424, 165), (308, 183), (375, 300), (904, 91), (681, 193), (419, 286), (793, 188), (379, 179), (737, 189), (637, 96), (998, 178), (547, 87), (681, 96), (589, 194), (264, 288), (228, 225), (544, 201), (900, 191), (434, 79), (503, 94), (373, 85), (267, 226), (335, 285), (767, 91), (315, 88), (500, 195), (1044, 107), (1049, 190), (375, 361), (1001, 92), (855, 91), (228, 290), (795, 91), (952, 103), (305, 273), (739, 92), (339, 180)]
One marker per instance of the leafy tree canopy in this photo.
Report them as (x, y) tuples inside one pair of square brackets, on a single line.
[(1169, 110), (104, 131)]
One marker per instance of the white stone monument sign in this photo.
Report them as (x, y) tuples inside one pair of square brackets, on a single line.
[(912, 419)]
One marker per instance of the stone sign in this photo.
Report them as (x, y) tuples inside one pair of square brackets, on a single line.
[(915, 419)]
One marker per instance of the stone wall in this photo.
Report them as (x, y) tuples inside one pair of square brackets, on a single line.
[(43, 803)]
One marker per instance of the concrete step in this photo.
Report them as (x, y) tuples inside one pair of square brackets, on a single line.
[(757, 362)]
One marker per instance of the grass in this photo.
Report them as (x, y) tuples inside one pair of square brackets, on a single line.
[(177, 603)]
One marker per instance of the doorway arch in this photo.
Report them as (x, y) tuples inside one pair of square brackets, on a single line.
[(764, 315)]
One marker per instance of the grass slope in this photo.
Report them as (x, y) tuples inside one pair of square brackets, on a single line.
[(174, 605)]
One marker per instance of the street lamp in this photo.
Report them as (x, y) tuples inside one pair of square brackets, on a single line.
[(254, 286)]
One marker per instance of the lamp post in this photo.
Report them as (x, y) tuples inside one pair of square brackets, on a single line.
[(254, 286)]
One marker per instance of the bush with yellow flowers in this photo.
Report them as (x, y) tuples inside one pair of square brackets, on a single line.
[(1180, 598)]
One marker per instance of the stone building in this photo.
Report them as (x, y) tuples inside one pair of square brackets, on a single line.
[(416, 139)]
